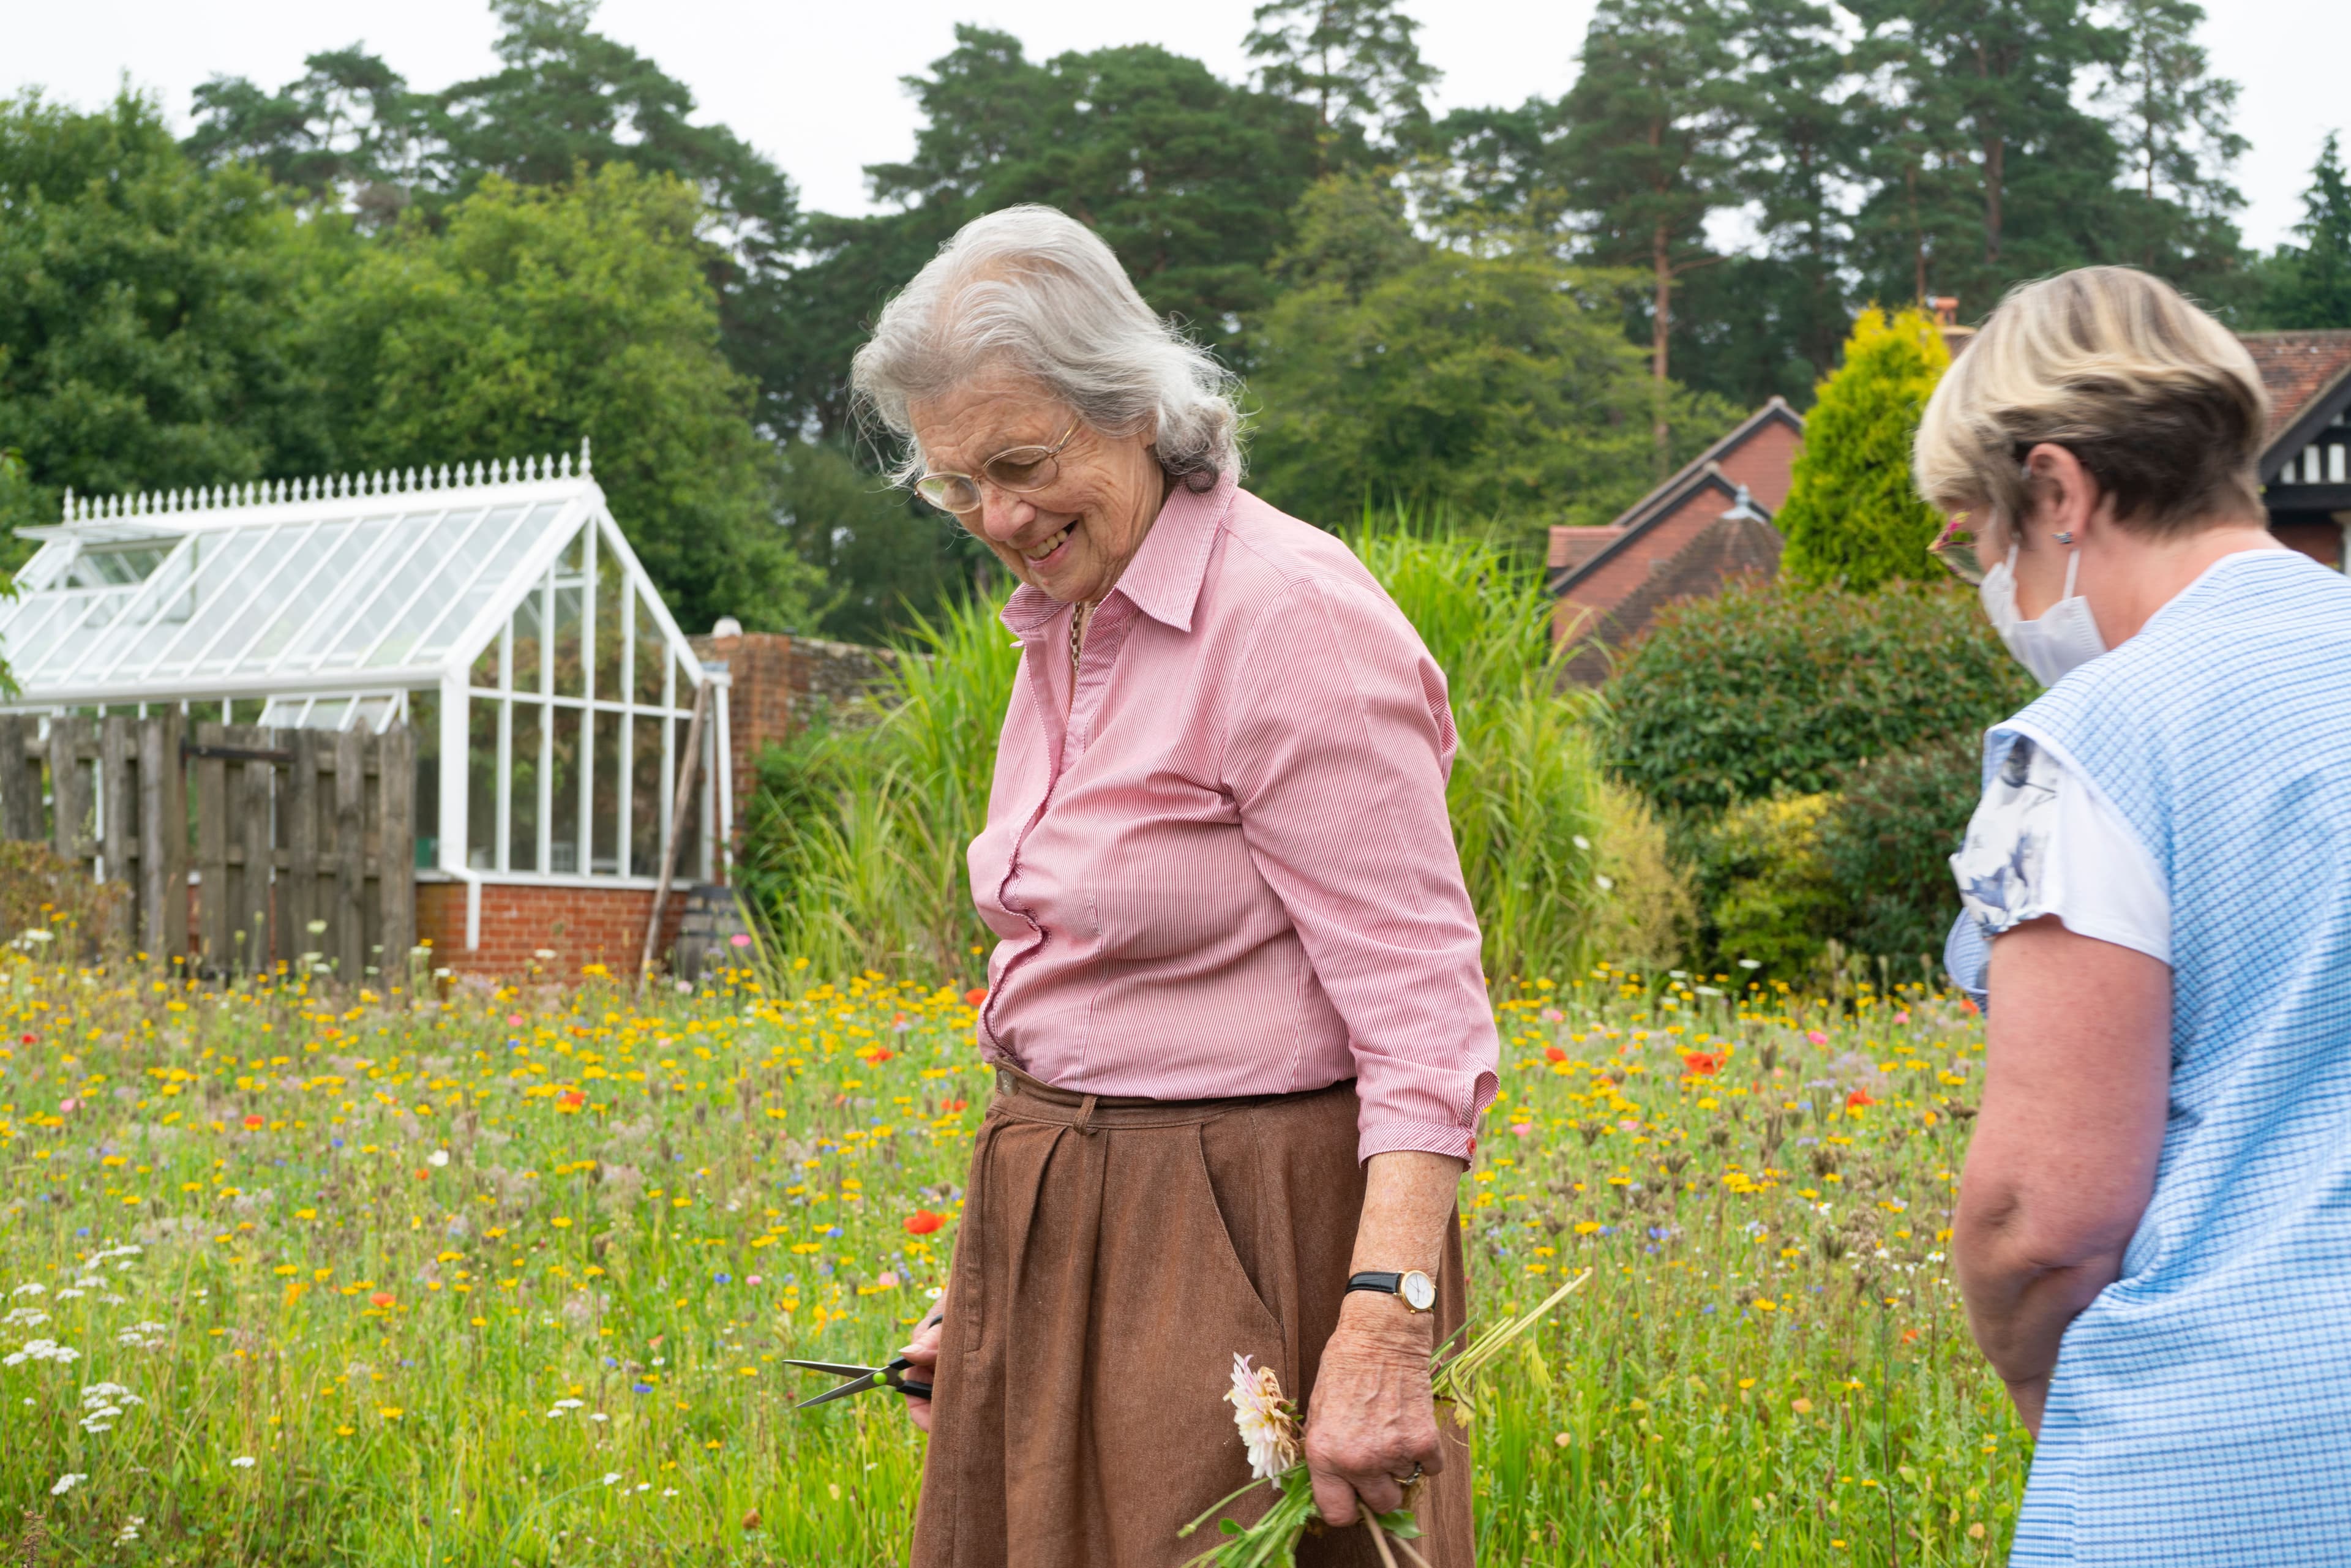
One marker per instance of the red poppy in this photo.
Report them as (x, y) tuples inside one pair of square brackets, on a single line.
[(957, 1104), (1553, 1053), (381, 1300), (1857, 1099), (27, 1039), (571, 1098), (1703, 1063), (878, 1055), (971, 997), (1966, 1002), (253, 1124), (922, 1222)]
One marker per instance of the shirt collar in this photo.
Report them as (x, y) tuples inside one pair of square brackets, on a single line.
[(1165, 578)]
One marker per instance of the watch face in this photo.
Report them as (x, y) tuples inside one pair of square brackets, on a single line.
[(1418, 1290)]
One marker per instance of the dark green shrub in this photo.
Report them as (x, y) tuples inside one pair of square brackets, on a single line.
[(1886, 843), (1767, 689)]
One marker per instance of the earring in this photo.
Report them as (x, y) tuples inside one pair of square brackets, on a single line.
[(2063, 538)]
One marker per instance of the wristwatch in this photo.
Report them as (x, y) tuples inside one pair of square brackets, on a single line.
[(1416, 1289)]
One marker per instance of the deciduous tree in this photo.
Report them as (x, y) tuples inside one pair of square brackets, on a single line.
[(533, 316)]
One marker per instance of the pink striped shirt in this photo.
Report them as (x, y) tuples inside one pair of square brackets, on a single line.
[(1228, 871)]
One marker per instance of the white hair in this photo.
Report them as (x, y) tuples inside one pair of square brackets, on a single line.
[(1032, 290)]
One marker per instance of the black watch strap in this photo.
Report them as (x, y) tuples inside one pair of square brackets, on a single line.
[(1374, 1279)]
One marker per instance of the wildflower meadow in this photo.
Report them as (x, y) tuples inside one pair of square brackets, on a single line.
[(297, 1275)]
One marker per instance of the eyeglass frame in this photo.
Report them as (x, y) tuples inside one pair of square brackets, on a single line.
[(1050, 454)]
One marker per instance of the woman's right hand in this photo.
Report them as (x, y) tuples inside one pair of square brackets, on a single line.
[(923, 1354)]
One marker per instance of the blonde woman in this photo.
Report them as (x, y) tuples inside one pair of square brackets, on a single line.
[(2154, 1226)]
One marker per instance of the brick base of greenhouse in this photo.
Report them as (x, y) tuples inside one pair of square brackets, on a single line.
[(581, 925)]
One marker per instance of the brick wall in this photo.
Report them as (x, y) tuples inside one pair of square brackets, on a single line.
[(777, 684), (580, 924)]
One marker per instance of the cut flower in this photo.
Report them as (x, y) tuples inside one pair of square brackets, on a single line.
[(1267, 1425)]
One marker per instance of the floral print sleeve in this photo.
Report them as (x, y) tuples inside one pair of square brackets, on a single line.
[(2003, 868)]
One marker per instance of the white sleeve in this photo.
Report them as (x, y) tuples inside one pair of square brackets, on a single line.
[(2045, 841)]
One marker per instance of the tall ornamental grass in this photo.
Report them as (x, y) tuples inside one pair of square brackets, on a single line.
[(857, 833)]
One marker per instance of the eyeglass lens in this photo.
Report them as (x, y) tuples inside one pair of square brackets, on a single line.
[(1019, 470)]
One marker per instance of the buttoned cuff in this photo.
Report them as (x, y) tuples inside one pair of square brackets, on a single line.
[(1391, 1137)]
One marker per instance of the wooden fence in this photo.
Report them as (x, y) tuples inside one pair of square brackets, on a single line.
[(290, 829)]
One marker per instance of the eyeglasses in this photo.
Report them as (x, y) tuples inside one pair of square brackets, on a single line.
[(1955, 546), (1018, 469)]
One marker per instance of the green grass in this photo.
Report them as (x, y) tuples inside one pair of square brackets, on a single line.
[(1747, 1379)]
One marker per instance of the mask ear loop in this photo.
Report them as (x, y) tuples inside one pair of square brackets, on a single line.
[(2073, 565)]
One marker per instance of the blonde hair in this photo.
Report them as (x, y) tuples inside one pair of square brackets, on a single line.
[(1031, 290), (2159, 401)]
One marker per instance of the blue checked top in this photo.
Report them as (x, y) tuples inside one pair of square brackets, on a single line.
[(2201, 1413)]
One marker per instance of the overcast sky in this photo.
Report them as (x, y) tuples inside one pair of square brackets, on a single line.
[(815, 86)]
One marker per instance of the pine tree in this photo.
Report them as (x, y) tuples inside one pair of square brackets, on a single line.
[(1353, 60), (1649, 148), (2310, 284), (1852, 514)]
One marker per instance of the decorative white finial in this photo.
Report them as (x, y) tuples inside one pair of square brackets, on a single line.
[(587, 463)]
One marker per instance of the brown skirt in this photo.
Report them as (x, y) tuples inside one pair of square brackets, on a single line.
[(1114, 1255)]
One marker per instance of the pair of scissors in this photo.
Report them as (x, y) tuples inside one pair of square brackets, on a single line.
[(862, 1379)]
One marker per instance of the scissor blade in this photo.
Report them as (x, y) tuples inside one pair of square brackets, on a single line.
[(838, 1369), (855, 1385)]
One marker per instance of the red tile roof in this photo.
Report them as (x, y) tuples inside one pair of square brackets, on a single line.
[(2297, 366)]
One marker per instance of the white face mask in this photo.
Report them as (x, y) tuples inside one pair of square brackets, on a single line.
[(2062, 638)]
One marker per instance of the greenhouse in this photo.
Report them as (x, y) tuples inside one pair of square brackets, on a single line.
[(495, 609)]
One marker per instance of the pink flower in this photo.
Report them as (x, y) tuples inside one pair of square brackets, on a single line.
[(1552, 1015), (1816, 1037), (1523, 1129), (889, 1280)]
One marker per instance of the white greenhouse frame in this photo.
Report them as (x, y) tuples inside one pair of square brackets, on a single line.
[(359, 601)]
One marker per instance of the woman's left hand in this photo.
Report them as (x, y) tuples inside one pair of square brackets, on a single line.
[(1372, 1418)]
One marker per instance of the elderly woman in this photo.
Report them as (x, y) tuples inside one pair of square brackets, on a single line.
[(2154, 1226), (1240, 1034)]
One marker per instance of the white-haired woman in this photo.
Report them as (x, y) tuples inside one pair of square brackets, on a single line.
[(2154, 1226), (1240, 1033)]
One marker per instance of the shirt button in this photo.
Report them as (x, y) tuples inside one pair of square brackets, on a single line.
[(1003, 1082)]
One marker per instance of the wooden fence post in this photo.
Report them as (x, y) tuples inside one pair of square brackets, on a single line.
[(162, 838), (395, 838), (20, 778)]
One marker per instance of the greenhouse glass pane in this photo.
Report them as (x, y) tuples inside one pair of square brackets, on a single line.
[(567, 629), (604, 799), (612, 626), (409, 574), (645, 797), (410, 637), (202, 579), (287, 579), (689, 847), (522, 790), (528, 675), (306, 621), (485, 673), (563, 847), (481, 784), (652, 650), (495, 564)]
